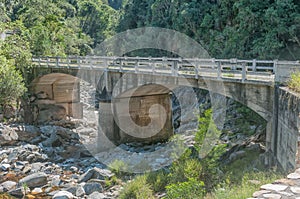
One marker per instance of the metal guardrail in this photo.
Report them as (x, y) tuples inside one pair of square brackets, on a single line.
[(256, 70)]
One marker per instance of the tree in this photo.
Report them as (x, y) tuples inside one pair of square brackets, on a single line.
[(11, 82), (16, 47), (98, 20)]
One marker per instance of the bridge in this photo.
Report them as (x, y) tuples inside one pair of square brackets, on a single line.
[(254, 83)]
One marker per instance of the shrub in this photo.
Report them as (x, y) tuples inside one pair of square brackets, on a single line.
[(158, 180), (137, 189), (118, 167), (294, 82), (11, 82), (189, 189), (184, 169)]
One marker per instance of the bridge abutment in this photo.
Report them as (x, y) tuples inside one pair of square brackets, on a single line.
[(285, 143)]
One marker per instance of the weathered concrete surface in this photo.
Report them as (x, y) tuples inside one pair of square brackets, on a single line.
[(287, 137), (139, 117), (54, 92), (257, 96), (278, 107)]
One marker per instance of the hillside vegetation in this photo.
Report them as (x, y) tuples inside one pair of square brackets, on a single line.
[(250, 29)]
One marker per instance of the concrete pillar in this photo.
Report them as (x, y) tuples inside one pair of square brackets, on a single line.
[(108, 133), (272, 132)]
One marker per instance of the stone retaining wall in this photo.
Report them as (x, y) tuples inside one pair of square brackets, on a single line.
[(287, 140)]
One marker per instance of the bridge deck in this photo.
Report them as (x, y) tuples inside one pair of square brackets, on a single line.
[(226, 69)]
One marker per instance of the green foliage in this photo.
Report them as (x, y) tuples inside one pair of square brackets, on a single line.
[(189, 189), (294, 82), (158, 180), (242, 29), (16, 47), (118, 167), (207, 133), (184, 168), (248, 184), (208, 177), (137, 189), (11, 85), (97, 19)]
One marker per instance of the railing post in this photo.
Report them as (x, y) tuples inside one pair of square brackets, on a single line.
[(121, 66), (90, 61), (219, 71), (176, 68), (244, 72), (68, 61), (57, 62), (47, 62), (173, 68), (254, 65), (196, 69), (136, 65), (275, 70), (78, 61), (106, 78)]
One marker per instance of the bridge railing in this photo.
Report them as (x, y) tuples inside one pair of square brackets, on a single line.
[(258, 70)]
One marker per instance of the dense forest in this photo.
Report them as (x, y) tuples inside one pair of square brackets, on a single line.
[(226, 28), (249, 29)]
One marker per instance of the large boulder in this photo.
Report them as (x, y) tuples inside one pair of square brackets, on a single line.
[(51, 112), (34, 180), (27, 132), (8, 135)]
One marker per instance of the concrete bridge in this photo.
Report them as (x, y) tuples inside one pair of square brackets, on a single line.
[(254, 83)]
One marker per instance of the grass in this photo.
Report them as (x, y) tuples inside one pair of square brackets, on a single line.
[(294, 82), (251, 182)]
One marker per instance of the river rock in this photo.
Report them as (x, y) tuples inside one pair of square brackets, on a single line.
[(4, 167), (80, 191), (34, 180), (8, 136), (19, 192), (50, 112), (95, 173), (27, 133), (96, 195), (8, 185), (91, 187), (63, 195), (36, 190)]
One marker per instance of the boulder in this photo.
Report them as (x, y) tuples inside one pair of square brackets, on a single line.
[(34, 180), (95, 173), (91, 187), (51, 112), (8, 136), (27, 133)]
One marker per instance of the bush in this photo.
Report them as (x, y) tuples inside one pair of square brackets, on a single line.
[(189, 189), (294, 82), (137, 189), (11, 82), (158, 180)]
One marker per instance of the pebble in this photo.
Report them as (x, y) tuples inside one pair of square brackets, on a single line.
[(36, 191)]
